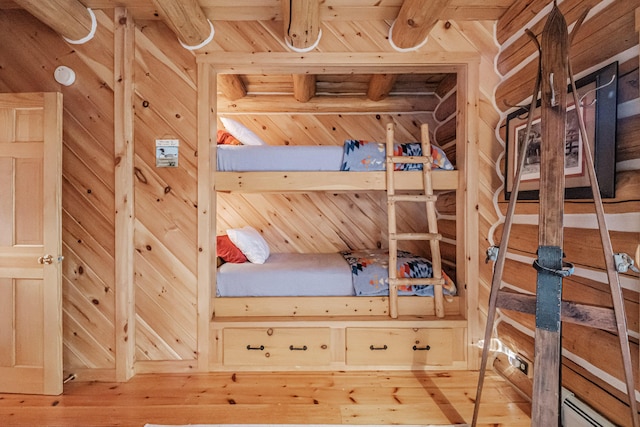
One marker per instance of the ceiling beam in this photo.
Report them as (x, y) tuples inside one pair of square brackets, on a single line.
[(69, 18), (301, 20), (380, 86), (271, 10), (231, 86), (187, 20), (304, 87), (257, 104), (414, 22)]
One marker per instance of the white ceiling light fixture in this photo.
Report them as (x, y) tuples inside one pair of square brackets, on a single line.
[(64, 75)]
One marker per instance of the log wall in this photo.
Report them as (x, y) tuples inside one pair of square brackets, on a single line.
[(590, 357)]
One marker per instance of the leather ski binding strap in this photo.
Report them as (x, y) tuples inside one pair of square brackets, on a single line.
[(566, 270)]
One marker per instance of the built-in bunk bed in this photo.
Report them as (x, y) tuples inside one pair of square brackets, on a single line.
[(326, 322)]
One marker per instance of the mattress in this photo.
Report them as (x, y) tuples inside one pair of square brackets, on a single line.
[(287, 274), (354, 155), (279, 158)]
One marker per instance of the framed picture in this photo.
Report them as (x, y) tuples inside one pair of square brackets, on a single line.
[(598, 92)]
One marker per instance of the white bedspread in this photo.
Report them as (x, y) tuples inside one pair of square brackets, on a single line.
[(279, 158), (287, 275)]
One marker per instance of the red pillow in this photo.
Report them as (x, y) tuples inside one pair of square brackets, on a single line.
[(228, 251), (225, 137)]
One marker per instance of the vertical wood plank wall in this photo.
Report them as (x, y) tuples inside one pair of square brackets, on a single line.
[(592, 366)]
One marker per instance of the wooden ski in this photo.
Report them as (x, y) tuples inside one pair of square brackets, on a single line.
[(553, 109)]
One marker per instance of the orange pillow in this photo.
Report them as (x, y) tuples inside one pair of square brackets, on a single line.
[(225, 137), (228, 251)]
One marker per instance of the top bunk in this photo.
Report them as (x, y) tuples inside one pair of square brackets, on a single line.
[(245, 163), (324, 102)]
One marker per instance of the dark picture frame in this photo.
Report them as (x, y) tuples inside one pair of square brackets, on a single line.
[(600, 114)]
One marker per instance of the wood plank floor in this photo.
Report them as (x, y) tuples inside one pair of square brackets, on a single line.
[(271, 398)]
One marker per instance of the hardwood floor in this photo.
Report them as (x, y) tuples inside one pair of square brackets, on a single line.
[(270, 398)]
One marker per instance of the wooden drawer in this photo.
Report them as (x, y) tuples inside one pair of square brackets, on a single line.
[(400, 346), (277, 346)]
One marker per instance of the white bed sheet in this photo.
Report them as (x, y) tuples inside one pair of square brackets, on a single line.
[(279, 158), (287, 274)]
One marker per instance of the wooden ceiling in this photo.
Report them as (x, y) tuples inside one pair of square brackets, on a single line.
[(267, 10), (192, 22), (331, 92)]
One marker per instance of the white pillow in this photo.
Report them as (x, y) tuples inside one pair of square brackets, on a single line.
[(241, 132), (251, 243)]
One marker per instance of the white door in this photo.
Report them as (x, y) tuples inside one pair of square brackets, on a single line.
[(30, 243)]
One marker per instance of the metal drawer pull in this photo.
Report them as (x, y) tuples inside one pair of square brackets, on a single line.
[(415, 348), (303, 348), (255, 348), (384, 347)]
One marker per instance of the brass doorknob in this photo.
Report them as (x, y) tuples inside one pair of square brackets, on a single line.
[(46, 259)]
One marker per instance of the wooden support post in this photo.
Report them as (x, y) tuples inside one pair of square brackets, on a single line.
[(124, 42), (206, 109), (301, 22)]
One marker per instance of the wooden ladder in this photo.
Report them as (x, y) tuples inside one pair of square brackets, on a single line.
[(429, 199)]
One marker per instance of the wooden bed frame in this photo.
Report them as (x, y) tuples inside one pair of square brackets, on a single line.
[(281, 182), (330, 333), (287, 182)]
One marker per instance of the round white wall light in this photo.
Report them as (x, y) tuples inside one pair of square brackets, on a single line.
[(64, 75)]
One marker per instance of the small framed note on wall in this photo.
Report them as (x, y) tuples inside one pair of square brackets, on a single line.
[(167, 153)]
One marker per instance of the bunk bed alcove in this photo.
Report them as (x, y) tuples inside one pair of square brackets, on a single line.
[(339, 332)]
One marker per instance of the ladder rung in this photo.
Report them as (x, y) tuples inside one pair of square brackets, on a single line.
[(410, 159), (412, 198), (415, 236), (404, 281)]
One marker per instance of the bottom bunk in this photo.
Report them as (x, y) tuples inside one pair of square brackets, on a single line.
[(321, 318), (331, 312), (361, 273)]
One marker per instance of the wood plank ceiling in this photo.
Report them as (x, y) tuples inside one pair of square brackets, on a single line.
[(192, 22)]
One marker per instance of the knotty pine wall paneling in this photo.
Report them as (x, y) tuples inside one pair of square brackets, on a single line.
[(29, 54), (165, 231), (165, 223), (591, 357)]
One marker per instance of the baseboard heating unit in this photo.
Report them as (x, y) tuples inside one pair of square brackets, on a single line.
[(576, 413)]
